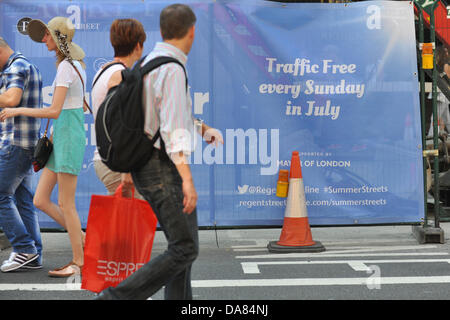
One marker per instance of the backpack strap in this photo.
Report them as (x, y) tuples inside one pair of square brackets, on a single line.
[(104, 69), (151, 65), (156, 136), (159, 61)]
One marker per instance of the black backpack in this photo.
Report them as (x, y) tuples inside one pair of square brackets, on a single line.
[(119, 126)]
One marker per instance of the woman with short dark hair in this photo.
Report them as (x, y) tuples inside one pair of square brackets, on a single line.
[(127, 37)]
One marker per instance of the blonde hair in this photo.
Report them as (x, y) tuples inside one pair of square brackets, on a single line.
[(60, 57)]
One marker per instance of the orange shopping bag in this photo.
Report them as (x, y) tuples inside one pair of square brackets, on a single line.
[(119, 239)]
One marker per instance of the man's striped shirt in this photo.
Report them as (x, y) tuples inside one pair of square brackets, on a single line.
[(167, 102)]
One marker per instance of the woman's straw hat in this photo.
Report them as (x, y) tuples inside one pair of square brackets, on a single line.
[(62, 31)]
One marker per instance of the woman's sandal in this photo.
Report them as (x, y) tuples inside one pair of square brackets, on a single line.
[(68, 270)]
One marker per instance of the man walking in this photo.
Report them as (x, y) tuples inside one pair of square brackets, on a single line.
[(21, 86), (166, 180)]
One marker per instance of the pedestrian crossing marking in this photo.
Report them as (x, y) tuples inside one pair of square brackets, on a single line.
[(357, 265)]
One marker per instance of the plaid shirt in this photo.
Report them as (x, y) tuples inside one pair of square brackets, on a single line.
[(20, 73)]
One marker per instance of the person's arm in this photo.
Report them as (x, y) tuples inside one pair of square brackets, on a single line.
[(51, 112), (115, 79), (211, 135), (126, 179), (14, 83), (176, 125), (11, 98), (447, 70), (175, 128)]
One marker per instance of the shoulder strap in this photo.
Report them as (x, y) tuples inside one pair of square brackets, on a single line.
[(46, 127), (82, 84), (104, 69), (159, 61)]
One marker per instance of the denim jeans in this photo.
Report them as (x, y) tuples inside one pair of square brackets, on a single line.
[(160, 184), (18, 217)]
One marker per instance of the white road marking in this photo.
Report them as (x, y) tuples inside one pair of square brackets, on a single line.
[(40, 286), (357, 265), (315, 282), (400, 254), (263, 243), (333, 250), (252, 283), (336, 253), (259, 248), (258, 243), (370, 242)]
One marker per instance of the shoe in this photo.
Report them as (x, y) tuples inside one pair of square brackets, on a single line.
[(18, 260), (67, 271), (106, 294), (100, 296), (11, 258), (33, 265)]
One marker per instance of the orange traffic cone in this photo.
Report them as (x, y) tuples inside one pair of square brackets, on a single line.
[(296, 233)]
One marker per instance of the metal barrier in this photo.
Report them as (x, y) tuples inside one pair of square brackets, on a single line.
[(428, 234)]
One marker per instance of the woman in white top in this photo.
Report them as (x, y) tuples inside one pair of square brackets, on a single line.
[(69, 137), (127, 37)]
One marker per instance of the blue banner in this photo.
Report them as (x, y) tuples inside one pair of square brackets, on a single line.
[(336, 82)]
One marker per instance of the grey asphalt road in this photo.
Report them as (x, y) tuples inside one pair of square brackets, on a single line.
[(360, 263)]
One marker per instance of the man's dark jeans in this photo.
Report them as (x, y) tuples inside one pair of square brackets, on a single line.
[(160, 184)]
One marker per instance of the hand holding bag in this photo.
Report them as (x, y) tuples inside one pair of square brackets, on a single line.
[(119, 239), (42, 151)]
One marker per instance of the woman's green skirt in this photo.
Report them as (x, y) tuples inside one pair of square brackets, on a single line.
[(69, 142)]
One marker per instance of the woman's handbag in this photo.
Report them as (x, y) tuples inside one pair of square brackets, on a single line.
[(42, 151), (119, 239)]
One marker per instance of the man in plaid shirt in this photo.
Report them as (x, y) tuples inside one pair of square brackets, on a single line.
[(20, 86)]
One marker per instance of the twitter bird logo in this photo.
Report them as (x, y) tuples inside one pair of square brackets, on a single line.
[(243, 189)]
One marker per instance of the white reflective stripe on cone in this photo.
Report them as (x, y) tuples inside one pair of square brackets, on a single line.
[(296, 202)]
